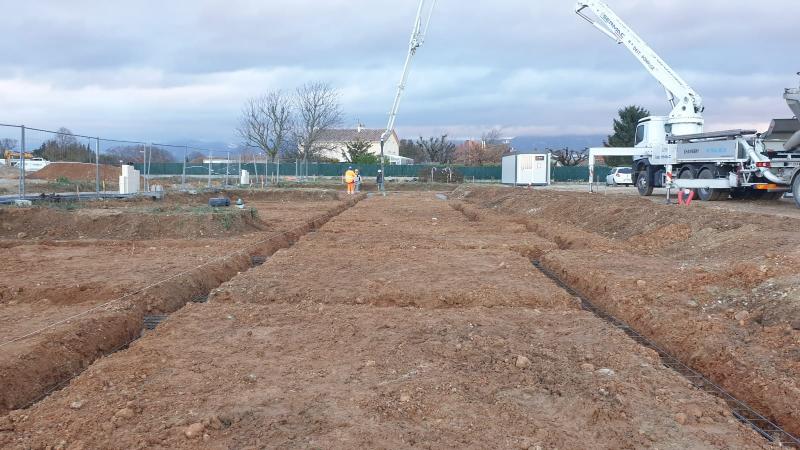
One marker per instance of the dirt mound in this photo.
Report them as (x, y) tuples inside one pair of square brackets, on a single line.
[(304, 195), (157, 223), (639, 223), (74, 171)]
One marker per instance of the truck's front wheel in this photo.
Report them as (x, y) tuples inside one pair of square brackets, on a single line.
[(796, 189), (644, 183)]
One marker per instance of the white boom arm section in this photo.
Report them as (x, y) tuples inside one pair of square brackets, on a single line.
[(418, 34), (687, 104)]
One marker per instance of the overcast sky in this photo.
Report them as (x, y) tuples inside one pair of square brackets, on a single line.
[(178, 69)]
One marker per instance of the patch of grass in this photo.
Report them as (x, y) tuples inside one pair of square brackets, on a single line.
[(64, 184), (65, 206), (227, 218)]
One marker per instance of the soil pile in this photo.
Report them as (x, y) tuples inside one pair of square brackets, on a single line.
[(74, 171)]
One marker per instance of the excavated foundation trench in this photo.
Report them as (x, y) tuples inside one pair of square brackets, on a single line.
[(767, 428), (62, 352), (767, 421)]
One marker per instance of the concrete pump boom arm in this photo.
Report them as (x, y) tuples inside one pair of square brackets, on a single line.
[(685, 101), (418, 34)]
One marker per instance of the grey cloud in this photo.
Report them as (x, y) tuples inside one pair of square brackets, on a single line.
[(177, 68)]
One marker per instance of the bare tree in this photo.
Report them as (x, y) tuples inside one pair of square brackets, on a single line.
[(281, 115), (318, 110), (489, 150), (64, 138), (8, 144), (267, 123), (254, 125), (567, 157), (438, 150)]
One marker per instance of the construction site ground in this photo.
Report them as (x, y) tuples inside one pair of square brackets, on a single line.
[(415, 320)]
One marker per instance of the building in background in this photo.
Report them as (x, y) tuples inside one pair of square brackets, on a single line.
[(333, 144)]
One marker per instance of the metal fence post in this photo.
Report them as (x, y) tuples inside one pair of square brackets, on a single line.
[(183, 175), (97, 166), (149, 163), (227, 169), (22, 164), (210, 156), (144, 167)]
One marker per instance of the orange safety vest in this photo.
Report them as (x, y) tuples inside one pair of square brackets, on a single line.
[(349, 176)]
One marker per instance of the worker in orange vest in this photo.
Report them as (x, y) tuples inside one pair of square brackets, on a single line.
[(350, 179)]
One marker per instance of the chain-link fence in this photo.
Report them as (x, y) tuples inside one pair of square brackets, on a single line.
[(291, 170), (36, 162)]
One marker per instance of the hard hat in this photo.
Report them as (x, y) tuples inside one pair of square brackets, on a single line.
[(379, 170), (350, 167)]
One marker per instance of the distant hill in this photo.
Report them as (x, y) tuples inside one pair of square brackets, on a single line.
[(219, 149), (576, 142)]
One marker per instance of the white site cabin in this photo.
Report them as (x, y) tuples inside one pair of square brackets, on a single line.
[(527, 168)]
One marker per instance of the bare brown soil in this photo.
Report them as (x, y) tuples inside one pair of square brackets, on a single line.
[(77, 172), (719, 289), (46, 282), (130, 223), (403, 322)]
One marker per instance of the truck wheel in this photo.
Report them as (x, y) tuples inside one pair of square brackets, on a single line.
[(688, 174), (708, 195), (796, 189), (643, 183)]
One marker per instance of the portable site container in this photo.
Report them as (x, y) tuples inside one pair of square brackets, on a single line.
[(523, 169)]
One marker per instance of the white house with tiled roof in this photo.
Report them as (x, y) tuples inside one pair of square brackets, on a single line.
[(333, 144)]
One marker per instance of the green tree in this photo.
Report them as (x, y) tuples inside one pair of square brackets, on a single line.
[(625, 133), (65, 147), (358, 152)]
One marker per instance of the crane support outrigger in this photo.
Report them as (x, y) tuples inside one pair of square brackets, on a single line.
[(674, 151), (418, 34)]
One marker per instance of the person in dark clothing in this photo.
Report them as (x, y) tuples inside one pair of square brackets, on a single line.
[(379, 180)]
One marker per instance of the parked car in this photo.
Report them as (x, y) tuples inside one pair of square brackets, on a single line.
[(620, 176)]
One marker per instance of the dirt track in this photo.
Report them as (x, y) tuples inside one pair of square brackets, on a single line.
[(407, 321)]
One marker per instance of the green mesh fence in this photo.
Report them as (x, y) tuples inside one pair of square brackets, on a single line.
[(486, 173)]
